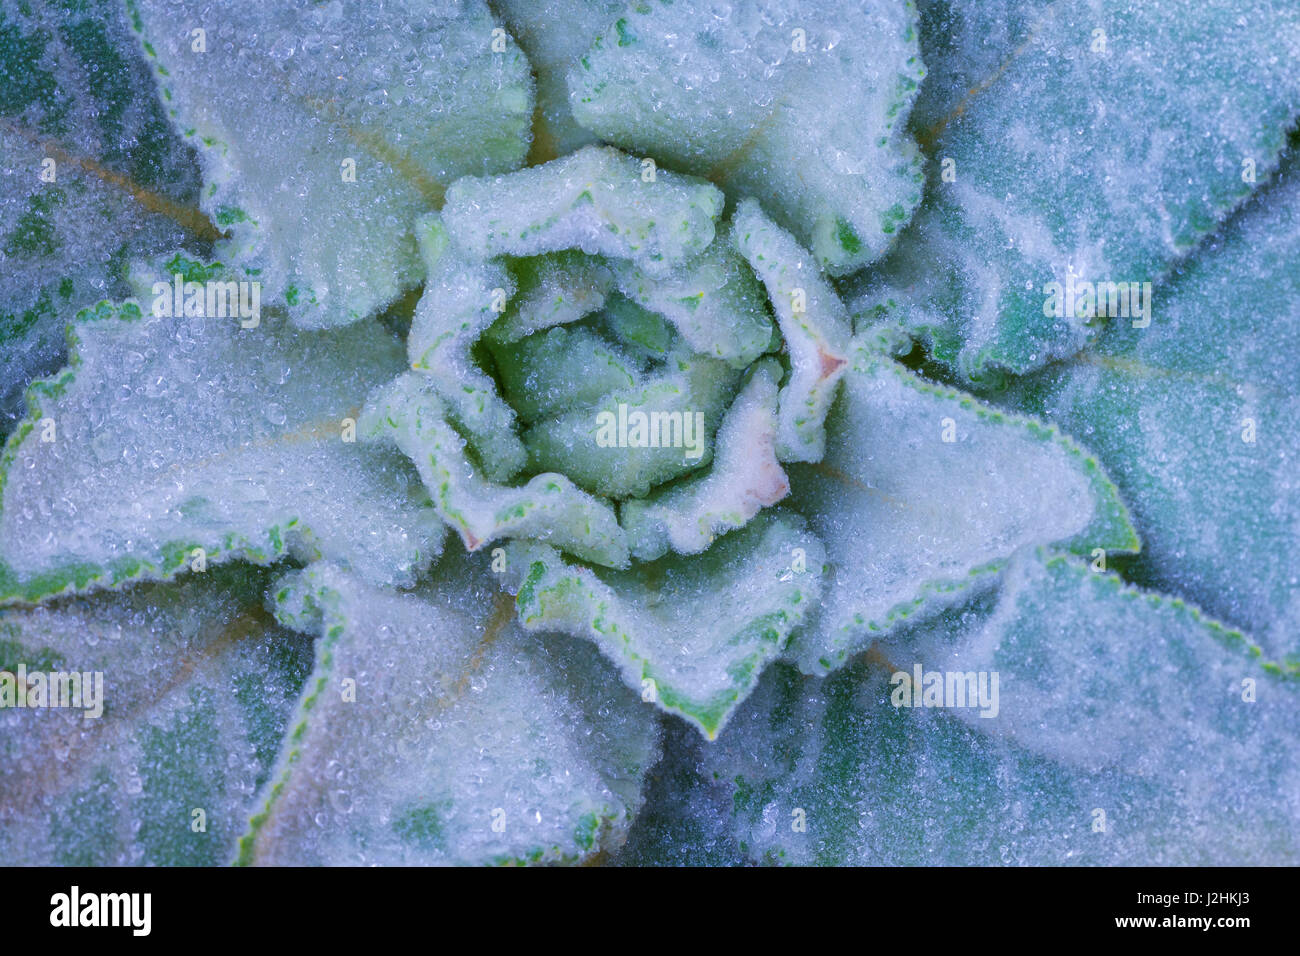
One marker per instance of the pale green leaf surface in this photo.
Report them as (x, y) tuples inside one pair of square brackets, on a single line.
[(166, 435), (1084, 157), (641, 332), (549, 507), (636, 438), (1197, 417), (552, 289), (744, 477), (1064, 637), (434, 730), (462, 299), (713, 301), (1112, 701), (912, 521), (198, 684), (412, 94), (554, 35), (560, 369), (801, 103), (813, 321), (75, 92), (690, 635), (595, 200)]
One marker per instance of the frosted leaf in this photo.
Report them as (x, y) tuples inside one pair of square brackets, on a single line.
[(90, 175), (1109, 140), (549, 507), (554, 35), (692, 635), (682, 822), (173, 442), (1087, 768), (462, 298), (642, 333), (1062, 634), (745, 477), (639, 437), (560, 369), (324, 132), (713, 301), (594, 200), (478, 744), (813, 321), (963, 45), (924, 493), (553, 290), (196, 684), (1197, 417), (802, 103)]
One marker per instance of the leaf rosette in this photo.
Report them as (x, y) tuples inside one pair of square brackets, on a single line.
[(631, 390), (700, 505)]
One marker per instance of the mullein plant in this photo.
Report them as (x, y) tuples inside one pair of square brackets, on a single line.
[(665, 432)]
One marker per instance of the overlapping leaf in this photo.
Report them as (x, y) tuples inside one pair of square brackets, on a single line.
[(175, 443), (597, 200), (1110, 139), (692, 635), (325, 132), (448, 722), (745, 477), (924, 493), (803, 104), (91, 174), (605, 451), (436, 732), (1129, 728), (1198, 419), (555, 35), (548, 507), (812, 320), (195, 687), (460, 302), (714, 302)]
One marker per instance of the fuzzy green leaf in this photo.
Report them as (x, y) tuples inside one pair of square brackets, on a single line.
[(925, 492), (745, 477), (549, 507), (92, 176), (170, 444), (596, 200), (713, 301), (813, 321), (690, 635), (196, 685), (554, 35), (1125, 732), (1198, 418), (801, 103), (462, 298), (1109, 139), (638, 437), (323, 135), (477, 744)]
